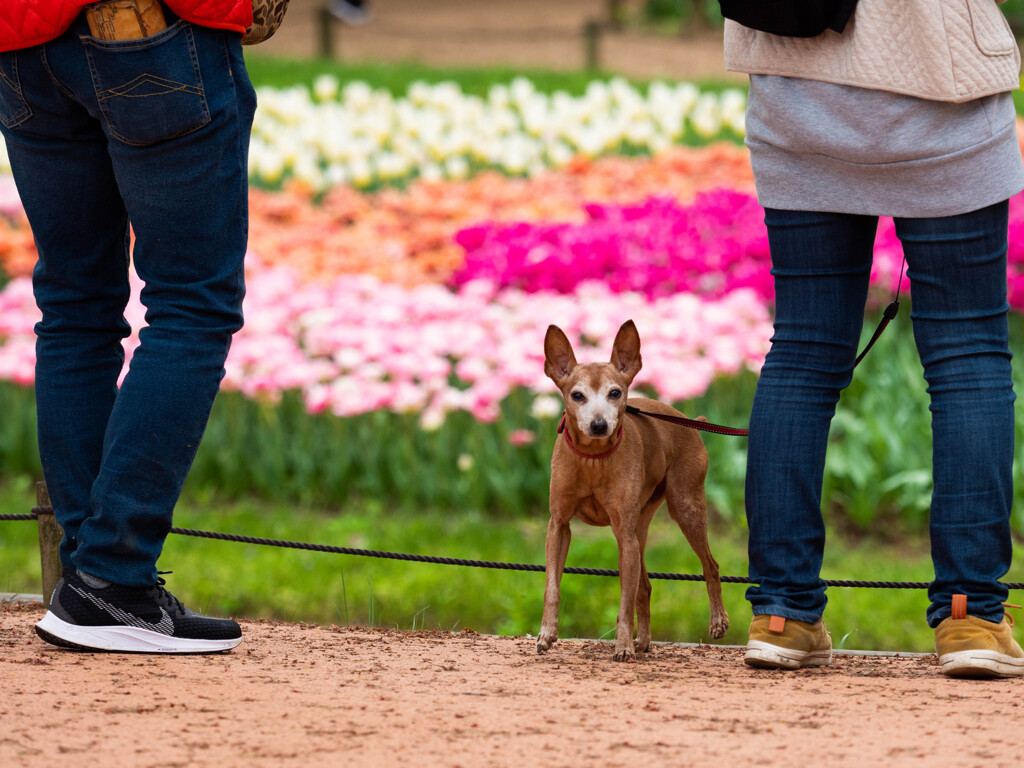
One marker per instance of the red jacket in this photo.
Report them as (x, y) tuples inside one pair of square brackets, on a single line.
[(29, 22)]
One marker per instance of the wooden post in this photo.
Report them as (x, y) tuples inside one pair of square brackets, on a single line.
[(592, 45), (616, 13), (326, 33), (50, 534)]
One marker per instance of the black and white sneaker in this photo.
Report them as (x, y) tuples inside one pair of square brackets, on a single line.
[(129, 620)]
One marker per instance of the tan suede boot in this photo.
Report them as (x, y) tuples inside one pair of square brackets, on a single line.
[(779, 643), (971, 647)]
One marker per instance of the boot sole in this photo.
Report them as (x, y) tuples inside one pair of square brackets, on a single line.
[(981, 664), (123, 639), (767, 656)]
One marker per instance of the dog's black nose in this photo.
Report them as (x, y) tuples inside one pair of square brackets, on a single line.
[(598, 427)]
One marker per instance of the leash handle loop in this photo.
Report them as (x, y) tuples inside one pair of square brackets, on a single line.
[(887, 315)]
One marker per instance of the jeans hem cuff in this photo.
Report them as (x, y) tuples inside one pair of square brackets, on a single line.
[(808, 617)]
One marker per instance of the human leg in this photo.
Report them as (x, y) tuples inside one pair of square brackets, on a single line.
[(59, 159), (957, 269), (187, 199), (115, 460), (821, 263)]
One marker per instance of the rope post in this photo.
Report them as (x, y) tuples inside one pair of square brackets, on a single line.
[(592, 30), (616, 13), (50, 534), (325, 33)]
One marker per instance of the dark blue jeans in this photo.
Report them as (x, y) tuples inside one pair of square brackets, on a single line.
[(821, 264), (154, 134)]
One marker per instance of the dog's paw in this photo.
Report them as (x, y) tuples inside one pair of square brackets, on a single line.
[(719, 625), (545, 640), (625, 654), (642, 644)]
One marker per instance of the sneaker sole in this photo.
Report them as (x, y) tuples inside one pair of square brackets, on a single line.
[(123, 639), (981, 664), (767, 656)]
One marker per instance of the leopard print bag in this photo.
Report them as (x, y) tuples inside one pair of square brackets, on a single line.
[(267, 16)]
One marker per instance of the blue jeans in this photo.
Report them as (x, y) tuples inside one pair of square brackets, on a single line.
[(821, 264), (154, 134)]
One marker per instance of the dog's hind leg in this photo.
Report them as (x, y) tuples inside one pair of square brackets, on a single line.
[(556, 549), (687, 507)]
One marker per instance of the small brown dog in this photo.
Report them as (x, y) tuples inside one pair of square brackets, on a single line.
[(613, 468)]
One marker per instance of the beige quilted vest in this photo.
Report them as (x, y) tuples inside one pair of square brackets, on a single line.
[(944, 50)]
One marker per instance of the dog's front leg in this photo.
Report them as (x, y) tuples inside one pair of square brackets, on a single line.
[(629, 582), (556, 549)]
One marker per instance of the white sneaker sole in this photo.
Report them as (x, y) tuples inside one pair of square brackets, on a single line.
[(767, 656), (123, 639), (986, 664)]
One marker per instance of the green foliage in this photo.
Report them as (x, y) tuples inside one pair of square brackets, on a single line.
[(1014, 11), (704, 13), (281, 452)]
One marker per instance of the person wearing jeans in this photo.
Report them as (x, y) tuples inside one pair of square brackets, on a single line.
[(843, 128), (108, 138)]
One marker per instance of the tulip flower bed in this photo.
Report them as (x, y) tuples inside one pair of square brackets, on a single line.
[(395, 318), (331, 135)]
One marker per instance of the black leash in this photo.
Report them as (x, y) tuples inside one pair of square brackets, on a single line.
[(705, 426)]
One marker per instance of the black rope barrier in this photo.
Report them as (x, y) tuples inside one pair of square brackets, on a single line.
[(330, 549)]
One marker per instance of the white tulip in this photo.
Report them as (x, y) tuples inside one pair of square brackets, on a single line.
[(360, 172), (559, 154), (270, 166), (326, 88), (456, 168), (419, 93), (431, 172), (687, 95), (498, 96), (357, 95), (355, 129)]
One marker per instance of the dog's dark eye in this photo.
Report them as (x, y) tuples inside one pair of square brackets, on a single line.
[(615, 394), (578, 397)]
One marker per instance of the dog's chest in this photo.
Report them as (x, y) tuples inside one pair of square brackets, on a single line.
[(590, 511)]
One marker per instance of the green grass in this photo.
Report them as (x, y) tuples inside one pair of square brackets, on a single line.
[(396, 77), (257, 581)]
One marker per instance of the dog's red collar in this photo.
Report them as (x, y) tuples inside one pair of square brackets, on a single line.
[(578, 452)]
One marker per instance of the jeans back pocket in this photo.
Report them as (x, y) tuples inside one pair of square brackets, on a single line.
[(14, 109), (150, 89)]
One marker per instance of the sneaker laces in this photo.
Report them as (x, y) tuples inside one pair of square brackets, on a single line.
[(164, 596), (1007, 616)]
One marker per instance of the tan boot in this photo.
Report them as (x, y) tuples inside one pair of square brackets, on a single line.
[(779, 643), (971, 647)]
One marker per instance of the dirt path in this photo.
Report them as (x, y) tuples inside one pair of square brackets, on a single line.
[(532, 34), (294, 695)]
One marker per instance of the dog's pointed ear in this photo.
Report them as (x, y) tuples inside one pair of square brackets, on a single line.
[(626, 350), (559, 359)]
